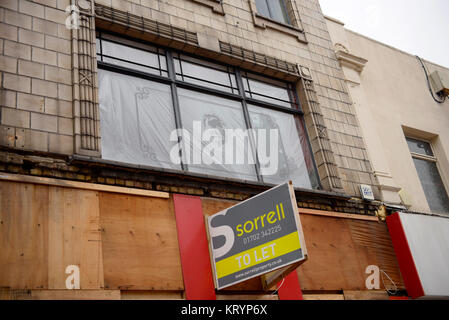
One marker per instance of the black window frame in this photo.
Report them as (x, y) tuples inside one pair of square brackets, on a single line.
[(241, 96)]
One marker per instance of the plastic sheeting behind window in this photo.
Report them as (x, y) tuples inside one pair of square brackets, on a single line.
[(213, 112), (136, 120), (267, 92), (206, 74), (291, 161)]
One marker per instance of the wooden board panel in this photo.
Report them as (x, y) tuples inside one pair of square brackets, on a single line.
[(248, 297), (341, 249), (323, 297), (140, 245), (81, 185), (23, 235), (365, 295), (75, 295), (74, 237), (151, 295)]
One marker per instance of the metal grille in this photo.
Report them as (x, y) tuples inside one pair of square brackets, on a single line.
[(259, 58), (144, 24)]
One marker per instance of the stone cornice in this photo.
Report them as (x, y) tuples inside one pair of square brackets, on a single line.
[(351, 61)]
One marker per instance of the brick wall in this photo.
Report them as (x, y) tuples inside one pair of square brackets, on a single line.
[(36, 63)]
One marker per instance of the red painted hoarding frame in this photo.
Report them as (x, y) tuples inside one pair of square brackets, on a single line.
[(404, 256), (194, 249)]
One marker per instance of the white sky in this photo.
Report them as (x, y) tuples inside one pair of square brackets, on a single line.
[(419, 27)]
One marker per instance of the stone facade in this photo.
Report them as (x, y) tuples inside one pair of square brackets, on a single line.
[(48, 72)]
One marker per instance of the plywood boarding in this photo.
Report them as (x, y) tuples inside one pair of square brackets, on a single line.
[(23, 235), (323, 297), (43, 230), (140, 245), (80, 185), (341, 249), (74, 237), (151, 295), (366, 295), (248, 297), (75, 295)]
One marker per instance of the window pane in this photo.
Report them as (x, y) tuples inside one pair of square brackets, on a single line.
[(420, 147), (262, 8), (433, 186), (291, 161), (205, 74), (132, 58), (212, 112), (136, 120), (278, 10), (267, 92)]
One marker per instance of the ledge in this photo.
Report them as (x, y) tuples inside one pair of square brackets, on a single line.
[(351, 61), (215, 5), (264, 22)]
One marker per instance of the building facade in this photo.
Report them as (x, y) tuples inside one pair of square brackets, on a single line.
[(101, 172), (405, 125)]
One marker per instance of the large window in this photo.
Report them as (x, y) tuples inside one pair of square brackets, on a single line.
[(273, 9), (166, 109), (426, 166)]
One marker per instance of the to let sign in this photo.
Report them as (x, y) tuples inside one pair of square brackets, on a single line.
[(256, 237)]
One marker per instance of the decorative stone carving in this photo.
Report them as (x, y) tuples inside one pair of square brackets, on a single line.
[(319, 139), (85, 87)]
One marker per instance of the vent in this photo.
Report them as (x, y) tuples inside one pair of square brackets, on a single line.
[(146, 25), (259, 58)]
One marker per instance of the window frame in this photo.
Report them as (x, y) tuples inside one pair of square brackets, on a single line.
[(428, 158), (284, 8), (241, 96), (293, 28)]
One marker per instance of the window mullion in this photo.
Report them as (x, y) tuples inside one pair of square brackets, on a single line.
[(247, 118), (176, 109)]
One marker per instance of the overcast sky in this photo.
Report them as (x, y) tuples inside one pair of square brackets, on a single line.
[(419, 27)]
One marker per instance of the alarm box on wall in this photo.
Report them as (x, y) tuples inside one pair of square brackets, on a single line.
[(440, 82)]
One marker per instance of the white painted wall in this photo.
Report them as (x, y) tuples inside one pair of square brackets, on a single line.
[(391, 95)]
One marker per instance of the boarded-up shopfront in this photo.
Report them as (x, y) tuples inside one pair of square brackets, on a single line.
[(125, 243)]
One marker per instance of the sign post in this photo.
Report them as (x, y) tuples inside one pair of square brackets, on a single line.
[(259, 236)]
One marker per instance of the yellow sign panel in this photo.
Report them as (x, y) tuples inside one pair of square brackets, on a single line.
[(257, 255)]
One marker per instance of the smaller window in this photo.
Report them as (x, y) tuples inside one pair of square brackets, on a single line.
[(132, 55), (205, 73), (431, 181), (420, 147), (271, 91), (273, 9)]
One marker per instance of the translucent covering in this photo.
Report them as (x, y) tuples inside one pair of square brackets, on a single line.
[(207, 74), (268, 92), (132, 58), (420, 147), (291, 160), (212, 112), (136, 120), (274, 9), (433, 186)]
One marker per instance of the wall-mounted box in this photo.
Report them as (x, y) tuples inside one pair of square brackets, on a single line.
[(440, 82)]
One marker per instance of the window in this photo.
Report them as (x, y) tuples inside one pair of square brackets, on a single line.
[(273, 9), (426, 166), (159, 105)]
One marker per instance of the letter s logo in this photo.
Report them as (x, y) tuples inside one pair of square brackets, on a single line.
[(221, 231)]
